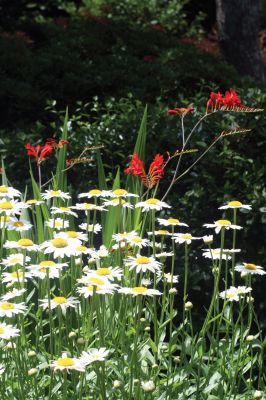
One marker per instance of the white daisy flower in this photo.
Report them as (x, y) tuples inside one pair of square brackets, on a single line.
[(184, 238), (66, 363), (8, 191), (143, 264), (170, 278), (164, 254), (73, 235), (233, 293), (215, 254), (96, 193), (51, 194), (18, 225), (207, 239), (140, 291), (21, 244), (60, 301), (82, 250), (46, 269), (96, 228), (119, 245), (11, 207), (101, 253), (162, 232), (10, 309), (118, 237), (235, 204), (88, 207), (60, 247), (122, 193), (152, 204), (90, 290), (249, 268), (170, 222), (118, 202), (63, 210), (137, 241), (93, 355), (110, 273), (57, 223), (15, 259), (12, 294), (34, 202), (15, 276), (8, 332), (222, 223)]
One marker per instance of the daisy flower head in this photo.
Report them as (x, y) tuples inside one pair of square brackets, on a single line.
[(184, 238), (160, 232), (222, 224), (63, 210), (45, 269), (140, 291), (60, 247), (152, 204), (110, 273), (8, 332), (11, 207), (34, 202), (170, 222), (235, 204), (215, 254), (93, 355), (65, 363), (101, 253), (122, 193), (250, 268), (234, 293), (10, 309), (12, 294), (143, 264), (95, 193), (88, 207), (15, 259), (96, 228), (21, 244), (8, 191), (58, 194), (60, 301), (73, 235), (18, 225), (169, 278), (164, 254), (90, 290), (118, 237), (137, 241), (15, 276), (208, 239), (57, 223), (79, 250), (118, 202)]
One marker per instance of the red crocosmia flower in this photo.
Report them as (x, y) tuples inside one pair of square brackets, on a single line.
[(229, 100), (155, 173), (181, 112), (40, 153), (56, 145)]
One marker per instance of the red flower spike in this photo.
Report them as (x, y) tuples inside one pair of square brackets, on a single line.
[(39, 152), (218, 101), (56, 145), (155, 173), (181, 112)]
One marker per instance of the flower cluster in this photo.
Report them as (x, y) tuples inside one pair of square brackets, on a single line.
[(154, 174)]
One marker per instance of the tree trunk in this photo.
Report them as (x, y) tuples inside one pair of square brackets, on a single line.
[(238, 23)]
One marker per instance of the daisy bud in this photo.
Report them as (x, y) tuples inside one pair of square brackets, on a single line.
[(176, 359), (78, 261), (136, 381), (250, 338), (155, 366), (85, 269), (173, 291), (188, 306), (91, 261), (117, 384), (31, 353), (243, 275), (147, 329), (257, 394), (11, 346), (32, 371), (9, 285), (142, 319), (148, 386), (208, 239), (72, 335), (250, 299), (215, 270), (81, 341), (164, 347)]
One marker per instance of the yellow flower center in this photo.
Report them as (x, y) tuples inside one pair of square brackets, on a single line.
[(18, 223), (230, 295), (58, 224), (95, 191), (118, 201), (103, 271), (235, 203), (251, 267), (95, 280), (173, 221), (152, 201), (186, 236), (139, 289), (60, 300), (120, 192), (216, 251), (72, 234), (31, 201), (89, 206), (17, 274), (136, 240), (81, 248), (7, 306), (65, 362), (223, 222), (54, 192), (15, 260), (6, 205), (25, 242), (45, 270), (92, 288), (65, 209), (2, 330), (3, 189), (46, 263), (162, 232), (59, 243), (143, 260)]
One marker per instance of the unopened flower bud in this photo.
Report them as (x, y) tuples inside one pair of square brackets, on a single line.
[(81, 341), (243, 274), (72, 335), (9, 285), (148, 386), (32, 371), (155, 366), (173, 291), (250, 338), (215, 270), (250, 299), (188, 305), (177, 359), (31, 353), (208, 239), (78, 261), (164, 347), (117, 384), (147, 329), (11, 345), (142, 319), (258, 394), (136, 381)]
